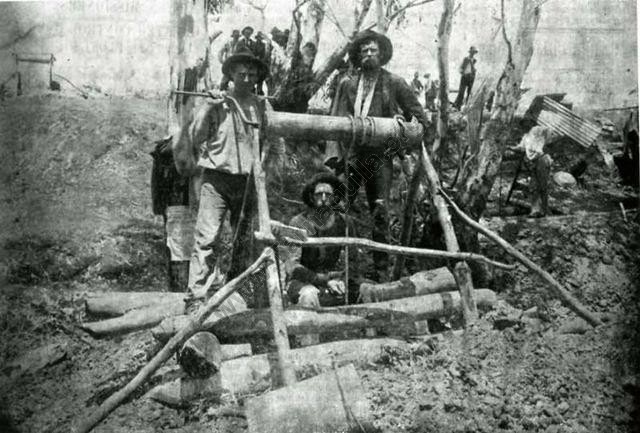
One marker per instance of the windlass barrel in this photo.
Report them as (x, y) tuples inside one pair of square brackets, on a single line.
[(368, 131)]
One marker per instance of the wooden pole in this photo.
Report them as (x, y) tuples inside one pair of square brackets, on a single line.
[(461, 271), (87, 424), (394, 249), (566, 297), (444, 33), (286, 372)]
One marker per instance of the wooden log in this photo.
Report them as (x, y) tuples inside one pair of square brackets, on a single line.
[(376, 130), (432, 306), (134, 320), (556, 288), (326, 322), (421, 283), (462, 273), (334, 401), (201, 355), (88, 422), (250, 374), (118, 303)]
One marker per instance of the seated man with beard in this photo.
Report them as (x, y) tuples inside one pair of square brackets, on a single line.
[(313, 275)]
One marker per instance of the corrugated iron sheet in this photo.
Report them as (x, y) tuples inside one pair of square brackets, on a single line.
[(565, 122)]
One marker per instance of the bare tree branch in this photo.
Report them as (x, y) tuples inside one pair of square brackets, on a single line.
[(393, 16), (334, 19), (366, 5), (504, 33), (253, 4)]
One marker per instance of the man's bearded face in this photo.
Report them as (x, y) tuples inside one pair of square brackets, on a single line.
[(323, 195), (370, 55)]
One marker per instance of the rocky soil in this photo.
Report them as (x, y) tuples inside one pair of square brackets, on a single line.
[(76, 218)]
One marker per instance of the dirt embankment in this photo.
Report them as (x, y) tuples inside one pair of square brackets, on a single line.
[(76, 218)]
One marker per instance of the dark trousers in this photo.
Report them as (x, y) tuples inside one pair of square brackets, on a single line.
[(466, 84), (374, 173)]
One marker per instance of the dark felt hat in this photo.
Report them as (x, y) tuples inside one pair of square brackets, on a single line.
[(245, 57), (309, 188), (386, 48), (247, 28)]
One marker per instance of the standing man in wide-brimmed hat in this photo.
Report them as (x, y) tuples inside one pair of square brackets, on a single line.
[(467, 77), (372, 91), (223, 142)]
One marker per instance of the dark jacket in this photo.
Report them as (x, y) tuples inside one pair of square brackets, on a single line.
[(392, 96)]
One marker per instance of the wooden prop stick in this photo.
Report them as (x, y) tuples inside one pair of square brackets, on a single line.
[(286, 373), (461, 271), (170, 348), (395, 249), (557, 289)]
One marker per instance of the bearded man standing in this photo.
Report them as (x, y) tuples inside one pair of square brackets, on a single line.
[(375, 92)]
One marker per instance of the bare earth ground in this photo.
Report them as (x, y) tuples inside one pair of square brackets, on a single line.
[(76, 218)]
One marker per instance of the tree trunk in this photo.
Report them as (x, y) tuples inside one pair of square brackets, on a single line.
[(479, 175), (444, 33)]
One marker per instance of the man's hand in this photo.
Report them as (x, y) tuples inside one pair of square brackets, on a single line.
[(216, 94), (337, 287)]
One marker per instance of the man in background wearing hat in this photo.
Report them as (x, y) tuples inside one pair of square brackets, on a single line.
[(313, 275), (372, 91), (467, 76), (224, 145), (246, 43)]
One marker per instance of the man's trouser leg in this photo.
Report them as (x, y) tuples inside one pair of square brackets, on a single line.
[(377, 188), (469, 85), (211, 212), (460, 96)]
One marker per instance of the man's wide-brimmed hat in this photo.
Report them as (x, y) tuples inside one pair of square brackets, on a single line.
[(386, 48), (473, 49), (247, 28), (310, 187), (245, 57)]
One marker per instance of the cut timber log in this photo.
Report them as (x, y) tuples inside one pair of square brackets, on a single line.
[(149, 317), (422, 283), (118, 303), (334, 401), (431, 306), (252, 374), (328, 322), (134, 320), (201, 355), (87, 423)]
